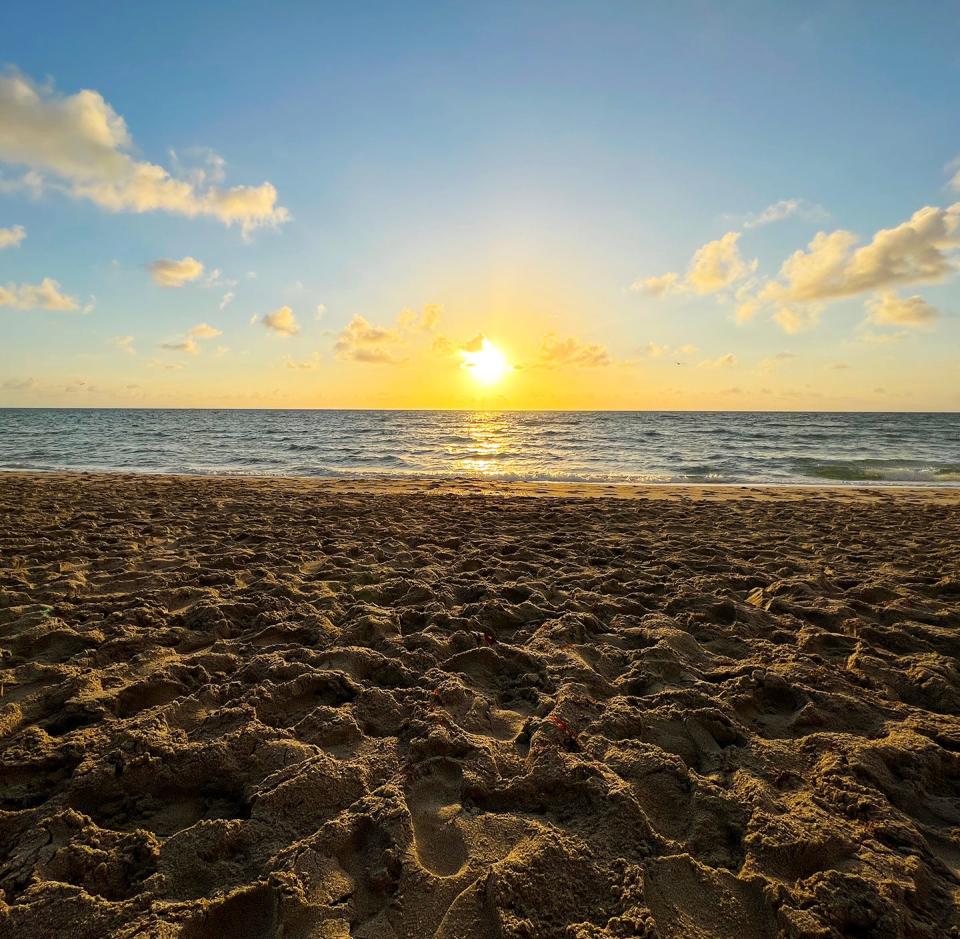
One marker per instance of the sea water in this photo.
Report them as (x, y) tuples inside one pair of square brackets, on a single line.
[(576, 446)]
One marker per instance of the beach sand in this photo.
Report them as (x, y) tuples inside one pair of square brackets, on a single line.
[(268, 708)]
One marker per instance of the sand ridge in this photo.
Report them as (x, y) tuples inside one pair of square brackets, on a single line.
[(290, 708)]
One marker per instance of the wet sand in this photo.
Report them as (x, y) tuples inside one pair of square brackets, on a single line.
[(289, 708)]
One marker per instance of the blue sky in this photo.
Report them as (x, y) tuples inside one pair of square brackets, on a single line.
[(526, 167)]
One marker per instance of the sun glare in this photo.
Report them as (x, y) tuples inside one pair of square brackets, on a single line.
[(487, 364)]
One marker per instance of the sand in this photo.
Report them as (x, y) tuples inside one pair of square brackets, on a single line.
[(288, 708)]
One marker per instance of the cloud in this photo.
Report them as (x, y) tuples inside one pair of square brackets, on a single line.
[(714, 266), (204, 331), (307, 365), (954, 167), (889, 309), (124, 344), (11, 237), (882, 339), (915, 251), (773, 362), (556, 352), (20, 384), (783, 209), (187, 345), (43, 296), (80, 144), (190, 342), (216, 279), (795, 320), (724, 361), (31, 182), (658, 286), (227, 299), (424, 322), (169, 273), (361, 341), (320, 310), (282, 321), (166, 366)]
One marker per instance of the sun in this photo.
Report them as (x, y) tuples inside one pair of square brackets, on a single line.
[(485, 362)]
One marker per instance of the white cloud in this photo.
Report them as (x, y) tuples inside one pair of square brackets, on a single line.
[(785, 208), (204, 331), (124, 344), (556, 352), (718, 264), (82, 145), (714, 267), (361, 341), (889, 309), (915, 251), (169, 273), (660, 285), (282, 321), (919, 250), (320, 310), (11, 237), (227, 299), (43, 296)]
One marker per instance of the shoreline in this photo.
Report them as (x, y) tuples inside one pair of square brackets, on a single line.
[(467, 485)]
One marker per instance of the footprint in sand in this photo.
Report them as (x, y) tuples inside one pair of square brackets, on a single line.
[(434, 803)]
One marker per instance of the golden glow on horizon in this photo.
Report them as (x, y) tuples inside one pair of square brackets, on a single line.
[(487, 364)]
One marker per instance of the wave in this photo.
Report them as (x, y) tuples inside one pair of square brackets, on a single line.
[(875, 471)]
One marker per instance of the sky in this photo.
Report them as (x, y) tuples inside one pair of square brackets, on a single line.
[(508, 205)]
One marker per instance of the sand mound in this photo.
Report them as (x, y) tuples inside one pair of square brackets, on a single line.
[(272, 709)]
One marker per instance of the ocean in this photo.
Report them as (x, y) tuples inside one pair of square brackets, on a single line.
[(571, 446)]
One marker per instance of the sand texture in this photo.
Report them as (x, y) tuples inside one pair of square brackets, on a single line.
[(278, 708)]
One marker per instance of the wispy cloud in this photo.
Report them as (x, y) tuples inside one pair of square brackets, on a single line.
[(305, 365), (11, 237), (124, 344), (784, 209), (727, 360)]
